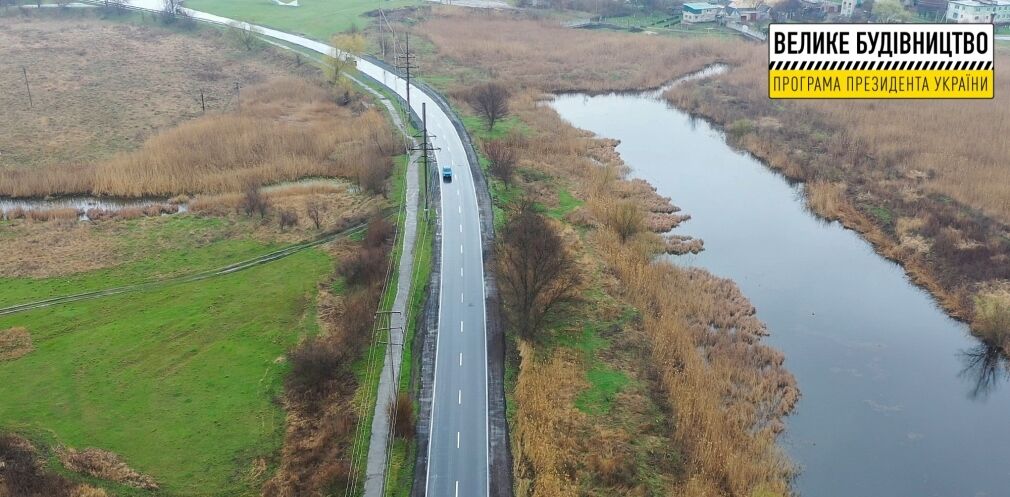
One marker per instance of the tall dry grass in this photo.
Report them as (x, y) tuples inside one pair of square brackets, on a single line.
[(287, 129), (521, 51), (546, 453), (728, 392)]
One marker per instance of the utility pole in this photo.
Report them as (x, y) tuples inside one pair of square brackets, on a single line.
[(406, 65), (425, 147), (203, 103), (238, 97), (24, 71)]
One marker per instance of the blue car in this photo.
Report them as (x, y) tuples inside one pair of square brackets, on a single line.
[(447, 173)]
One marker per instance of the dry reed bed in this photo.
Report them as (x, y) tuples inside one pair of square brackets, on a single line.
[(106, 87), (728, 392), (287, 129), (924, 181), (524, 52)]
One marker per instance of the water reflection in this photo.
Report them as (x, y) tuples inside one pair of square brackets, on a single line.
[(986, 367)]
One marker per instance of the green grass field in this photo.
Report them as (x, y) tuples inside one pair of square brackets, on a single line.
[(318, 19), (182, 381)]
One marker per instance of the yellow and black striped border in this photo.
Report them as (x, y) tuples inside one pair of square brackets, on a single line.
[(880, 65)]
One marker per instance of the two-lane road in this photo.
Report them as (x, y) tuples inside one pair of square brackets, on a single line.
[(458, 445)]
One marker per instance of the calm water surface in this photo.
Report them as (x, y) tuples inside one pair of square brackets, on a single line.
[(890, 406)]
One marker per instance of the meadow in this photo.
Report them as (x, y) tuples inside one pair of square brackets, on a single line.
[(181, 381), (317, 19)]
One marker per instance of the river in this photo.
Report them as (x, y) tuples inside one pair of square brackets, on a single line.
[(891, 406)]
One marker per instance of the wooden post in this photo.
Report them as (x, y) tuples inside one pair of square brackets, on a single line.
[(24, 71)]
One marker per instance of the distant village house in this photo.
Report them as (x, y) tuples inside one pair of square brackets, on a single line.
[(696, 12), (976, 11)]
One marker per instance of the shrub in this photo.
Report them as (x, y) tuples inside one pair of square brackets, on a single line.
[(366, 266), (992, 317), (255, 202), (380, 231), (402, 416), (315, 364), (625, 219)]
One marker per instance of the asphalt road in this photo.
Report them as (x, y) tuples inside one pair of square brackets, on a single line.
[(458, 445)]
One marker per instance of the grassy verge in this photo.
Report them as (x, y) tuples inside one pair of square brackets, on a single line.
[(181, 381)]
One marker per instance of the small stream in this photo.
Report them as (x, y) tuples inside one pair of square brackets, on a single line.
[(898, 399), (79, 203)]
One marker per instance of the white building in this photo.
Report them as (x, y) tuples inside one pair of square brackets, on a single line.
[(848, 7), (979, 11), (700, 12)]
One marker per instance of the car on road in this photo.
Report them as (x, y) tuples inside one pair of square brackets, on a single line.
[(447, 173)]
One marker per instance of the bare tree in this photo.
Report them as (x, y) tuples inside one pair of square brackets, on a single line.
[(254, 202), (535, 269), (116, 6), (504, 157), (248, 39), (314, 209), (491, 101), (287, 219)]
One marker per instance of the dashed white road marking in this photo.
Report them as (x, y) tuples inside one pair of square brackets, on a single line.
[(460, 358), (461, 228), (457, 488), (459, 399), (457, 439), (460, 209), (461, 271), (461, 248), (461, 327)]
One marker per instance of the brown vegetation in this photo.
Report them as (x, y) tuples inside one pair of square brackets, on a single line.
[(105, 465), (103, 87), (930, 195), (320, 391), (503, 156), (402, 414), (287, 129), (14, 343), (23, 473), (523, 52)]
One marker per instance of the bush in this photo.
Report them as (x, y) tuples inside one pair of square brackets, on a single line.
[(255, 202), (402, 416), (992, 317), (315, 365), (366, 266), (626, 219), (380, 231)]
